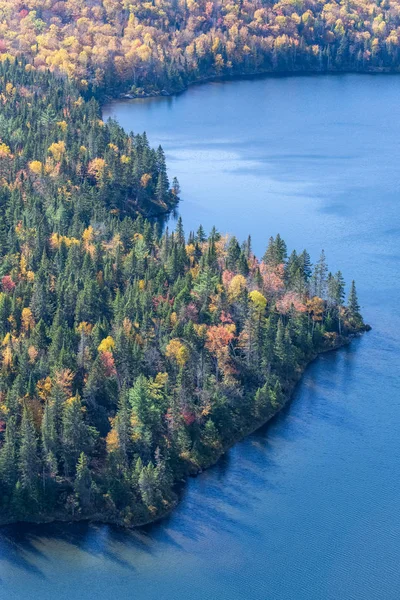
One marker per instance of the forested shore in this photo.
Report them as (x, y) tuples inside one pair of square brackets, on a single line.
[(114, 517), (162, 46), (131, 357)]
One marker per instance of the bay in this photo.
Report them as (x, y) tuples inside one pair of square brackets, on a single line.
[(309, 506)]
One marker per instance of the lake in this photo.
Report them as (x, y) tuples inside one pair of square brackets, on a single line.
[(308, 508)]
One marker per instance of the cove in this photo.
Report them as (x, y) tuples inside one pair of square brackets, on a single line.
[(308, 507)]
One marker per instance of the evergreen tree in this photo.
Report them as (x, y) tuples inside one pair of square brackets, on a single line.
[(8, 455), (280, 347), (28, 458), (50, 440), (76, 437), (83, 481), (233, 254), (200, 235), (353, 305), (319, 279), (148, 486)]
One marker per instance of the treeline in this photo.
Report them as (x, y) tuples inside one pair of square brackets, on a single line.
[(163, 45), (129, 358), (56, 151)]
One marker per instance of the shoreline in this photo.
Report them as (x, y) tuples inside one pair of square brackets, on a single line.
[(249, 430), (240, 76), (249, 421)]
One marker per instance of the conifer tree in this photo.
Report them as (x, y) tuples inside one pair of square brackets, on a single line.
[(280, 348), (8, 455), (353, 305), (75, 434), (28, 458), (50, 440), (200, 235), (233, 254), (319, 279), (83, 481)]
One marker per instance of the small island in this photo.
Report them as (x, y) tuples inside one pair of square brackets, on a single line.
[(131, 356)]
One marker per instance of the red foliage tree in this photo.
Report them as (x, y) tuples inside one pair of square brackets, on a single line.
[(7, 284)]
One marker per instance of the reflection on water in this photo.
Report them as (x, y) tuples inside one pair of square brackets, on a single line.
[(308, 507)]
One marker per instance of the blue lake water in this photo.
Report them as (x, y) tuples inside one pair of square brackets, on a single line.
[(307, 508)]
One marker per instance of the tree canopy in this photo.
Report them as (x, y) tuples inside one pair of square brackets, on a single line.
[(129, 357), (166, 44)]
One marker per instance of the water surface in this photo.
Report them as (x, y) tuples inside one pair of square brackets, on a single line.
[(309, 507)]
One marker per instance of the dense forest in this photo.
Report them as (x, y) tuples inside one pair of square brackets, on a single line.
[(130, 356), (163, 45)]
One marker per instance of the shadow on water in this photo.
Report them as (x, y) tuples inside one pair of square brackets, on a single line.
[(28, 547), (20, 544), (307, 506), (17, 550)]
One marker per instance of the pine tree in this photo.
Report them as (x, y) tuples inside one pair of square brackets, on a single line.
[(123, 428), (243, 265), (353, 306), (83, 481), (176, 189), (269, 256), (280, 249), (305, 265), (280, 348), (28, 458), (340, 289), (200, 235), (233, 254), (75, 434), (179, 233), (336, 294), (50, 441), (276, 252), (8, 455), (210, 436), (319, 279), (148, 486)]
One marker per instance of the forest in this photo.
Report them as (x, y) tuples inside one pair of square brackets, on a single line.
[(130, 356), (161, 46)]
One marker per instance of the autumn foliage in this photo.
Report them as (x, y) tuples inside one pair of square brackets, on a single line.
[(151, 47), (129, 357)]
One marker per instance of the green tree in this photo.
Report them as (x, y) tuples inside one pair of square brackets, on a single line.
[(353, 306), (76, 437), (83, 481), (28, 457)]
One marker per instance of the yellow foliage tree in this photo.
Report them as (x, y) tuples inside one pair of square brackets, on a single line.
[(316, 307), (178, 352), (97, 168), (7, 357), (27, 320), (43, 388), (63, 125), (36, 167), (112, 440), (33, 354), (259, 301), (4, 151), (144, 180), (236, 287), (106, 345), (57, 149)]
